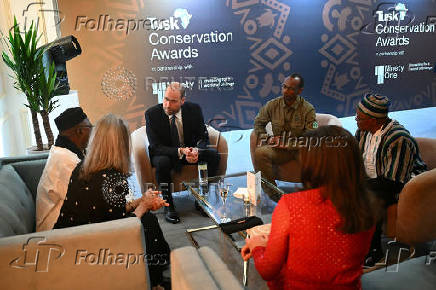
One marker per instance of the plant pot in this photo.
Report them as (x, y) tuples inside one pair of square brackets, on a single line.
[(32, 150)]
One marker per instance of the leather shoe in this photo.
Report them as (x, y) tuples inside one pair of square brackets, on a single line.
[(171, 216)]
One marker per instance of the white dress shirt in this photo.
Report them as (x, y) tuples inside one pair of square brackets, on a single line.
[(372, 144)]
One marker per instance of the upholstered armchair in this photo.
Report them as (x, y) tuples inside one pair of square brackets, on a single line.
[(291, 171), (411, 221), (427, 149), (145, 173), (416, 222)]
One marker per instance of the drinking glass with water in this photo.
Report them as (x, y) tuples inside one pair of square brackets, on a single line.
[(202, 173)]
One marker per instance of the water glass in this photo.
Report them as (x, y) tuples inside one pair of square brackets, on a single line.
[(202, 173)]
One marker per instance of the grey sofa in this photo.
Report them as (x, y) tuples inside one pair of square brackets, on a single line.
[(108, 255), (418, 273), (19, 179)]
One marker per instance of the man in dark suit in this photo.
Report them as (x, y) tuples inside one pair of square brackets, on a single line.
[(177, 136)]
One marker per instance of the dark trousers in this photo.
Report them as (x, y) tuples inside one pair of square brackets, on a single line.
[(387, 191), (157, 248), (164, 165)]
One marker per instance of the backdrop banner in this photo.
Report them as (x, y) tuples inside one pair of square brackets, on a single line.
[(233, 55)]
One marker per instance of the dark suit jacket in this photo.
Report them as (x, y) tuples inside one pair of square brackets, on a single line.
[(158, 130)]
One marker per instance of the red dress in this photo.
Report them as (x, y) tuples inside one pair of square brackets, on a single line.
[(306, 251)]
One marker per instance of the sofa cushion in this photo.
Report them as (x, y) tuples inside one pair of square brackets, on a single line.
[(30, 172), (17, 206)]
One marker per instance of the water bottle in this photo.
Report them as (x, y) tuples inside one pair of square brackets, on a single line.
[(202, 173)]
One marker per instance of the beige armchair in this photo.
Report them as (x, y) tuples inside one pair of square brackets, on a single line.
[(427, 149), (109, 255), (290, 171), (416, 222), (145, 173), (411, 221)]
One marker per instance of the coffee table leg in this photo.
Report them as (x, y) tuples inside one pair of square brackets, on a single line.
[(193, 241), (190, 231)]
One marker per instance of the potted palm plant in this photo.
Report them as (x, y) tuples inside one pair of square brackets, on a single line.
[(47, 88), (26, 62)]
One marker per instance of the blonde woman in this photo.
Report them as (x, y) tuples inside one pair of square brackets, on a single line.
[(98, 188)]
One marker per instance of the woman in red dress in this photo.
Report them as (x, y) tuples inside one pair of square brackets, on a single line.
[(320, 236)]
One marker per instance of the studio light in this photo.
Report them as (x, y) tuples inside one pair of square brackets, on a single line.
[(60, 51)]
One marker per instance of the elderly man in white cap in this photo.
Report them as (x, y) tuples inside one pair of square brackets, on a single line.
[(390, 154)]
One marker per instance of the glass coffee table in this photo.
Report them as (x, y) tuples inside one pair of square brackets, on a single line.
[(232, 208)]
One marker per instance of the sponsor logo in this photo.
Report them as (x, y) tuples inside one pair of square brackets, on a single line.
[(387, 72), (184, 16), (420, 66), (180, 18), (380, 72), (398, 14)]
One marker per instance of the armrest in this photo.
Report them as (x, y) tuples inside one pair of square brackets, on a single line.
[(427, 147), (107, 255), (200, 269), (217, 141), (188, 270), (140, 157), (222, 275), (327, 119)]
